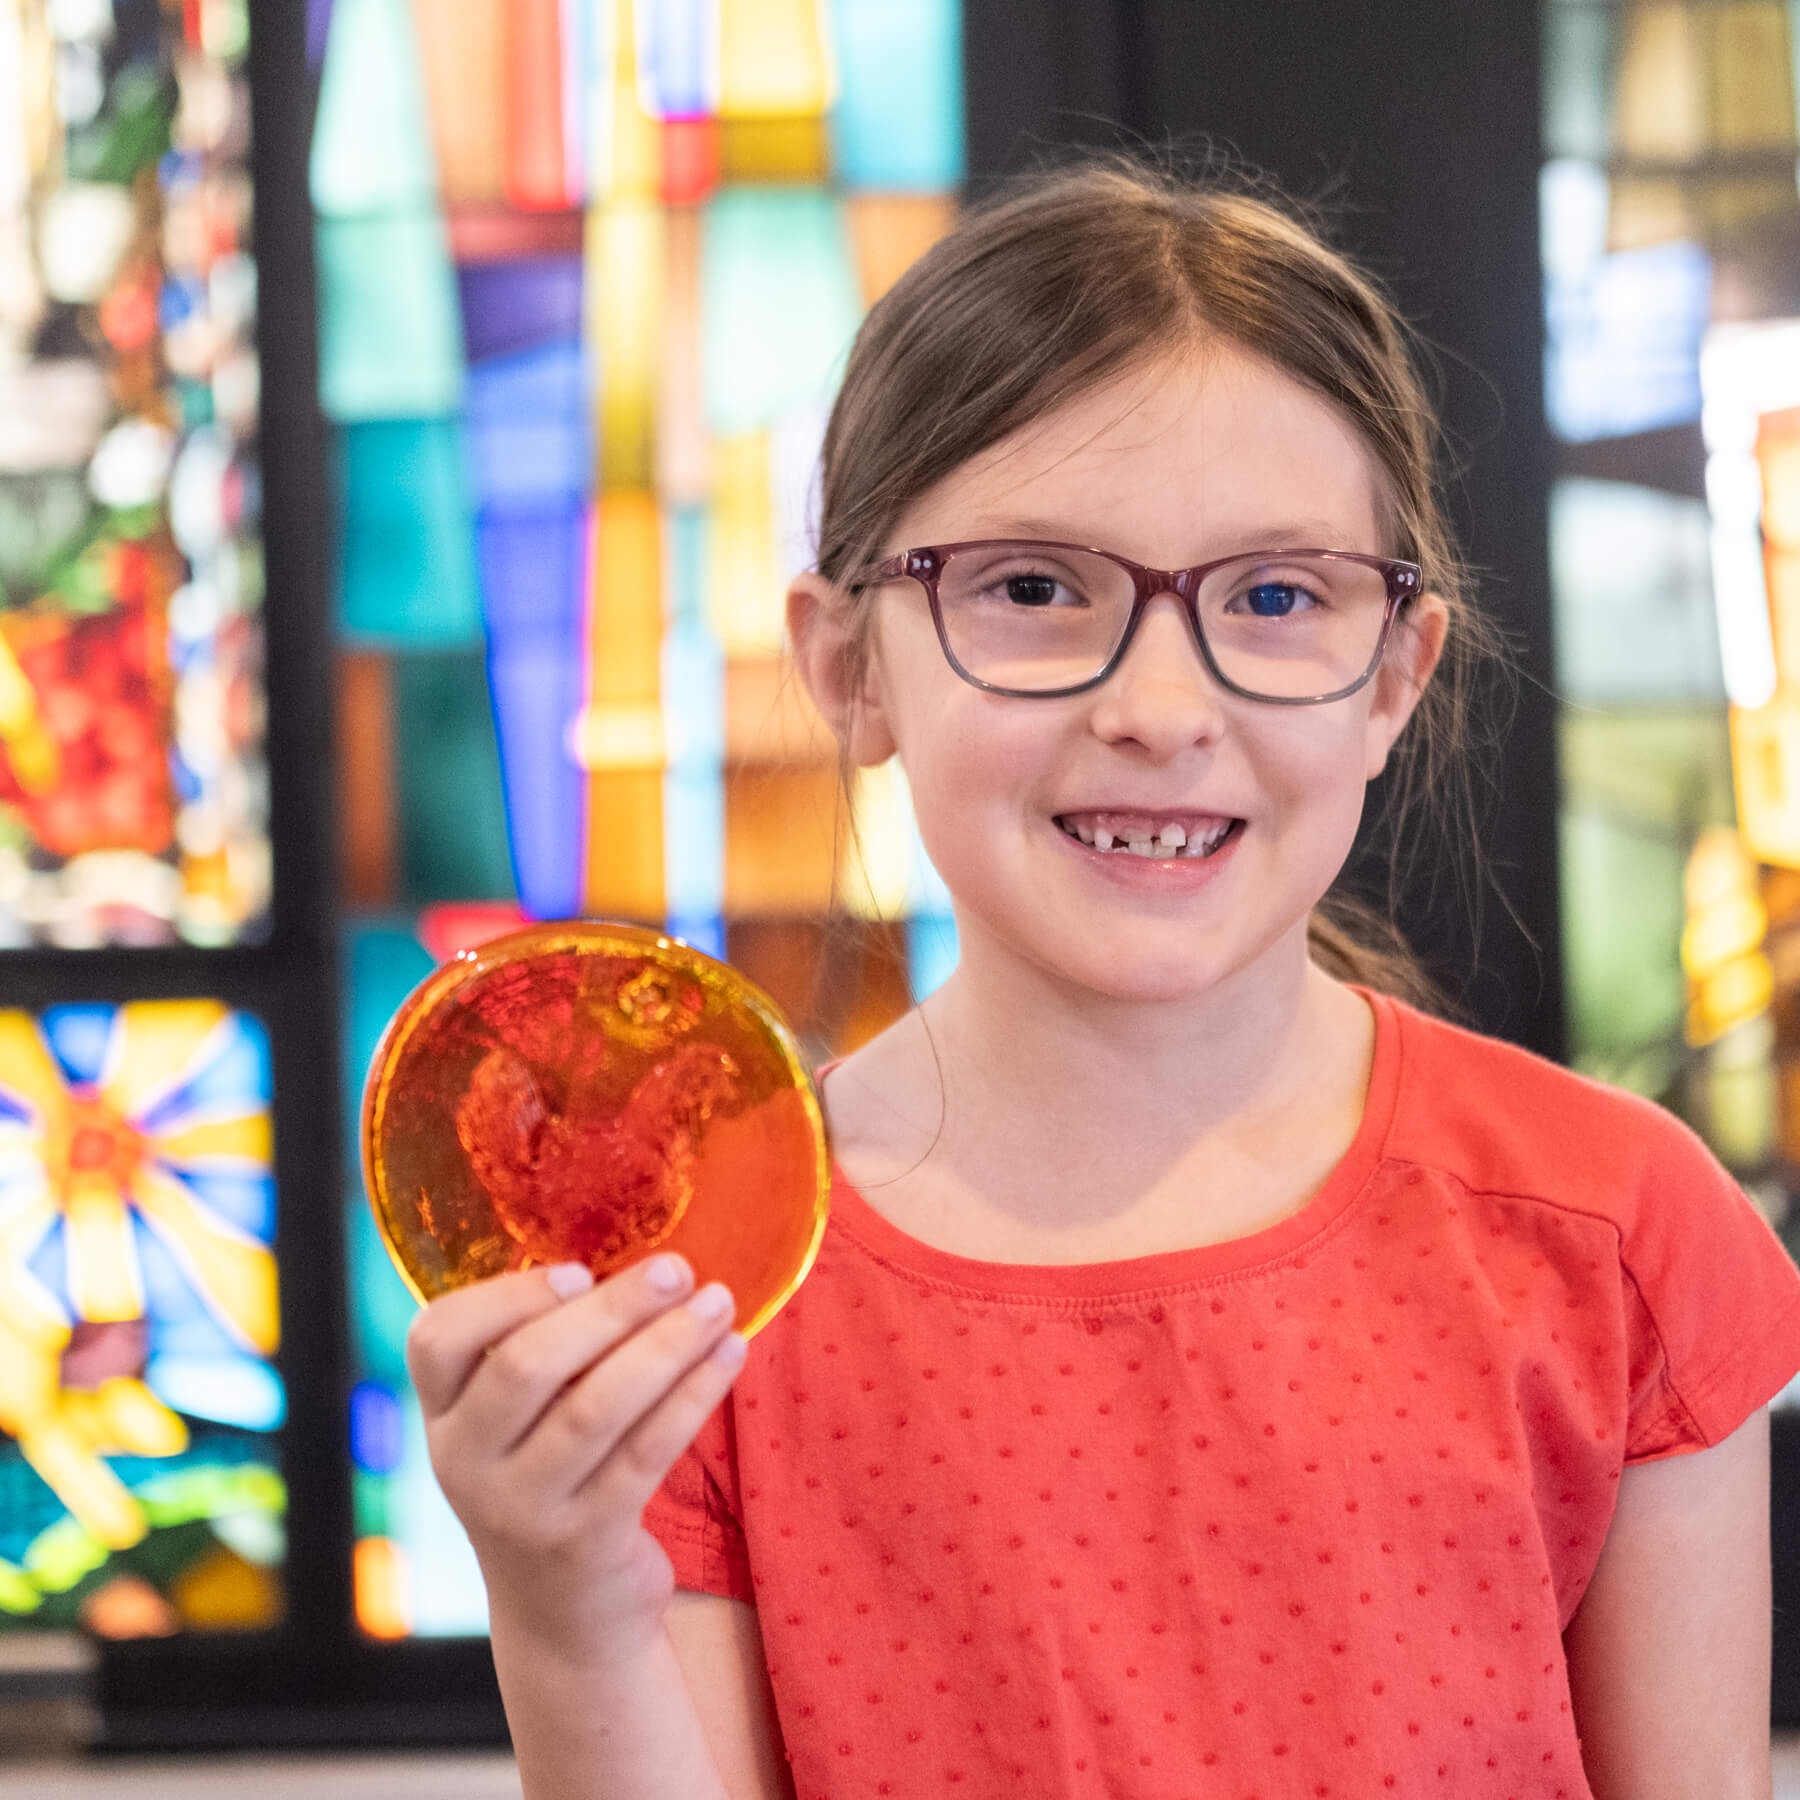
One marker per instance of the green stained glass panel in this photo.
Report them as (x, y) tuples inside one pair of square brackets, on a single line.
[(779, 304)]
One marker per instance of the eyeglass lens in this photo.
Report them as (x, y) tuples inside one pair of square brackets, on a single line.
[(1035, 618)]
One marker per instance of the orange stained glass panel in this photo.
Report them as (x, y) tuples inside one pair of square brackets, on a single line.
[(775, 149), (1778, 453), (378, 1577), (226, 1592), (890, 232), (618, 737), (535, 172), (683, 449), (881, 992), (780, 840), (624, 849), (625, 299), (770, 719), (366, 835), (625, 623), (786, 959), (774, 58), (461, 49), (1782, 568)]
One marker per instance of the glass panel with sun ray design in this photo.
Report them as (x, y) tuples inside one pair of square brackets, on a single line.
[(140, 1489)]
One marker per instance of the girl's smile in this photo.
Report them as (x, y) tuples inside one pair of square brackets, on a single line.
[(1153, 852)]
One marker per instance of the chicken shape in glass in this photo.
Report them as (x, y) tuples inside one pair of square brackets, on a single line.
[(587, 1093)]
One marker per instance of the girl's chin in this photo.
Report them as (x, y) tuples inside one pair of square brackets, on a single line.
[(1120, 974)]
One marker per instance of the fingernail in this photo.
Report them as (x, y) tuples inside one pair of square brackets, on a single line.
[(566, 1280), (712, 1302), (730, 1350), (665, 1274)]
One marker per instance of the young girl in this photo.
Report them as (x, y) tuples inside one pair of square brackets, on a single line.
[(1219, 1378)]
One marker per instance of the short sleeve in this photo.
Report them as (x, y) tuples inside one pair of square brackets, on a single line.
[(696, 1517), (1712, 1302)]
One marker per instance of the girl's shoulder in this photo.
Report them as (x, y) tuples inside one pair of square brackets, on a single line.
[(1506, 1121)]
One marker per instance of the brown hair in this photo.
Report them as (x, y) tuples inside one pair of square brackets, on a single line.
[(1068, 279)]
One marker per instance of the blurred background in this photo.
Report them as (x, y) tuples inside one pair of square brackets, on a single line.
[(408, 420)]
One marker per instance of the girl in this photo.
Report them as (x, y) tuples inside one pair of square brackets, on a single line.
[(1219, 1378)]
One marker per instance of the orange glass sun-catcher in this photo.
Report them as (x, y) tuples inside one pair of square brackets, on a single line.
[(586, 1093)]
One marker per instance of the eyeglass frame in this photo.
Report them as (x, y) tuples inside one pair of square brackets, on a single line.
[(1405, 581)]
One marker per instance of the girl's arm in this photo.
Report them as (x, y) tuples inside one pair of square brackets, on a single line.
[(553, 1409), (719, 1644), (1669, 1650)]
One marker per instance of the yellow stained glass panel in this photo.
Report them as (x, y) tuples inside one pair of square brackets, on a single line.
[(744, 592), (624, 296), (774, 58)]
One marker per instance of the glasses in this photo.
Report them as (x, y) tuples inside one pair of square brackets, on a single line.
[(1038, 620)]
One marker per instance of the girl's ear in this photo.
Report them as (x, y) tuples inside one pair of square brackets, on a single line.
[(820, 622), (1406, 667)]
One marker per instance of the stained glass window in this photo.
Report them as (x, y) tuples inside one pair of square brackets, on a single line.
[(140, 1490), (589, 270), (132, 788), (1671, 255)]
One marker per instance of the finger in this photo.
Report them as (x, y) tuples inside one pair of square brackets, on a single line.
[(507, 1396), (585, 1423), (450, 1337), (645, 1455)]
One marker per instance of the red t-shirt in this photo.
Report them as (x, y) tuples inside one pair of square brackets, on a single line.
[(1302, 1514)]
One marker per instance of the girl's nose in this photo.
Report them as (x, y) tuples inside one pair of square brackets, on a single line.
[(1162, 695)]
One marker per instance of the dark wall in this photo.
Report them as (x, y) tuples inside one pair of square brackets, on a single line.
[(1415, 126)]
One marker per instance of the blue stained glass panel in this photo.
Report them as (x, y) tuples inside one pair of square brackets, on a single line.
[(1624, 344), (533, 566), (78, 1036), (931, 951), (529, 424), (509, 306), (236, 1070), (898, 123), (232, 1390), (678, 58), (377, 1440)]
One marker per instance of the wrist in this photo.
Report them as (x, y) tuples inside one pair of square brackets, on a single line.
[(591, 1644)]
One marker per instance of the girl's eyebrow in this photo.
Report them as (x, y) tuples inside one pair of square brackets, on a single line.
[(1293, 534)]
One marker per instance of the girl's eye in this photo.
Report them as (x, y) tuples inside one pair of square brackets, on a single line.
[(1035, 590), (1276, 599)]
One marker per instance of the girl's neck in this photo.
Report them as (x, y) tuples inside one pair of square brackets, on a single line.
[(1067, 1120)]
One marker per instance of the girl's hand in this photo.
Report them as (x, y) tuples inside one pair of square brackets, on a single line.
[(553, 1408)]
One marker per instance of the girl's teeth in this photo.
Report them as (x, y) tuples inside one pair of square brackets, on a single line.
[(1168, 841)]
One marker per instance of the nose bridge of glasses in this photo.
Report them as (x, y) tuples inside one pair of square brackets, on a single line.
[(1181, 590)]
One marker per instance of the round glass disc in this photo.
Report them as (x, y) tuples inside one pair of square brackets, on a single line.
[(588, 1093)]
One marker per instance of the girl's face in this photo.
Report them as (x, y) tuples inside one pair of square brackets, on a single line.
[(1180, 461)]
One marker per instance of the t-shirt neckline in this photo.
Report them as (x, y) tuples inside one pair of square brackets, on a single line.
[(856, 1219)]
